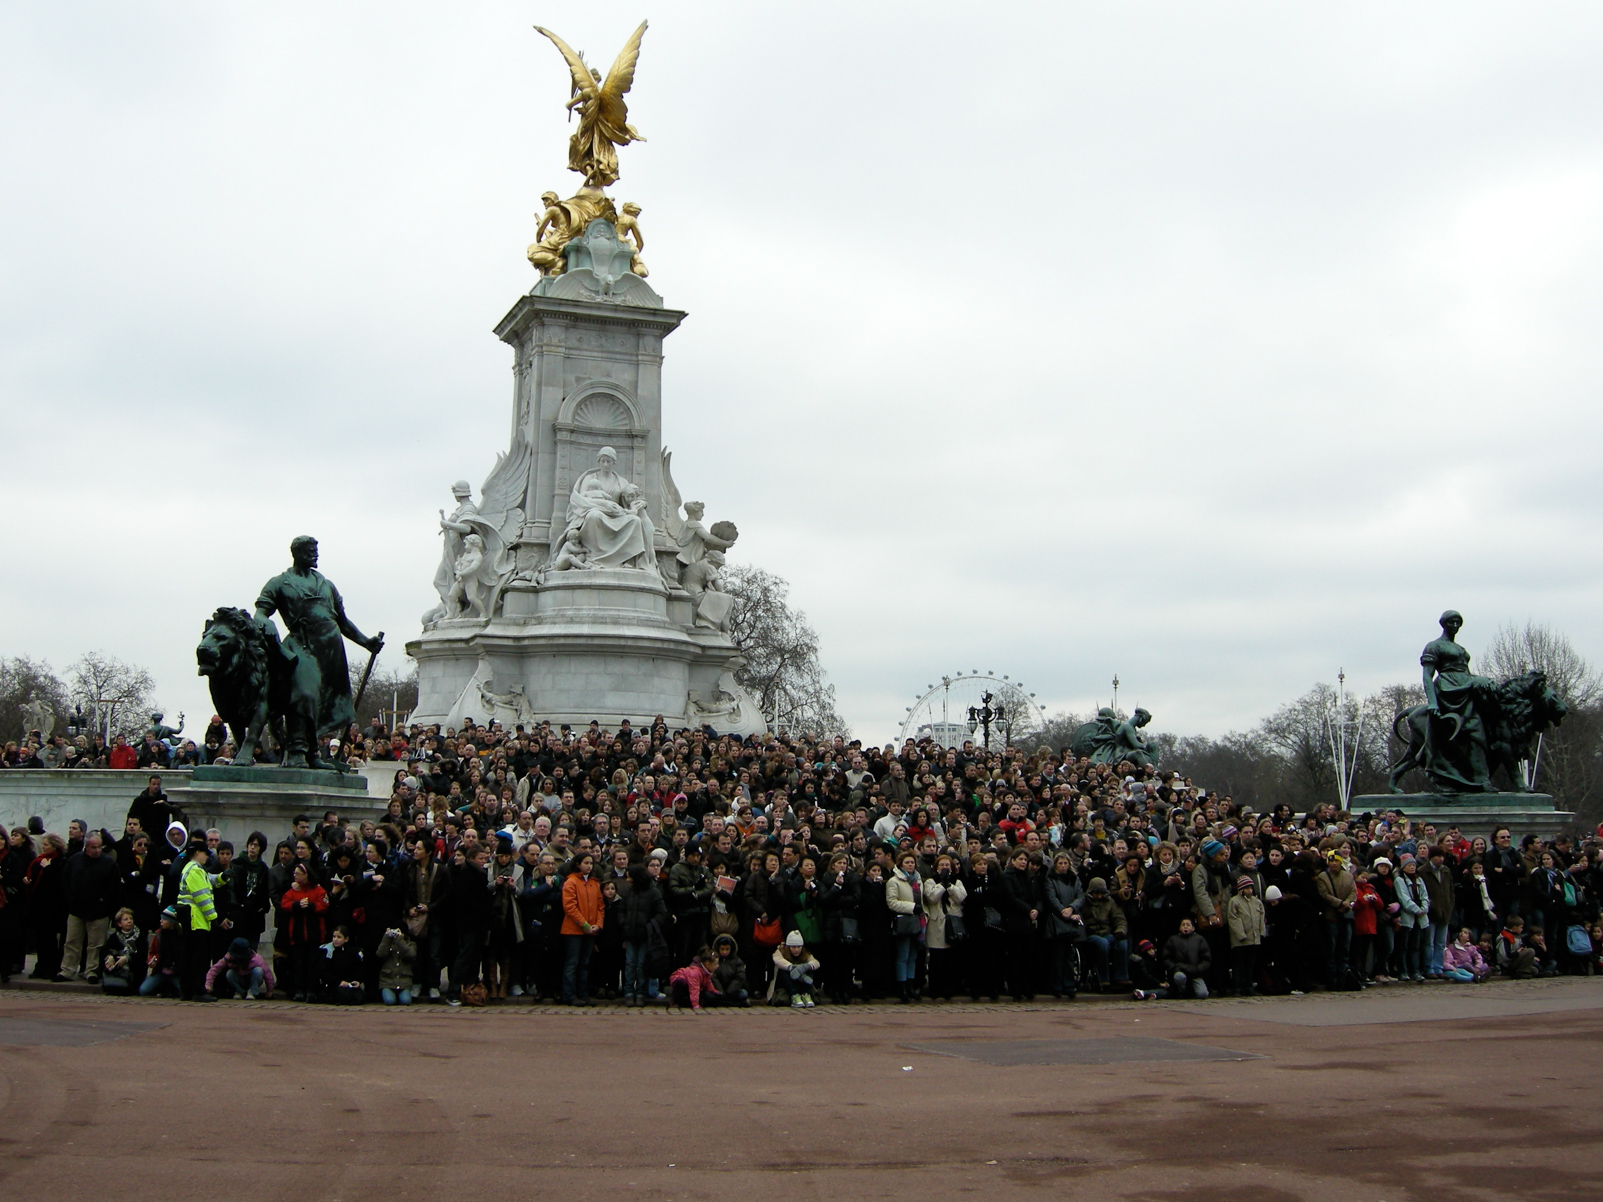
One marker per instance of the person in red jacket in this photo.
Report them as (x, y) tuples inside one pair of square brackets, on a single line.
[(304, 903), (122, 755), (1366, 917)]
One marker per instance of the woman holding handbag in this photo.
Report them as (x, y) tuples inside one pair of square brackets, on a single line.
[(944, 927), (904, 899)]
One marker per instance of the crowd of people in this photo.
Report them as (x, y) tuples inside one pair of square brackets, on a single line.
[(683, 867)]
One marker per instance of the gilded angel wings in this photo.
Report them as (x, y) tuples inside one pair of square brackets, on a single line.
[(603, 115)]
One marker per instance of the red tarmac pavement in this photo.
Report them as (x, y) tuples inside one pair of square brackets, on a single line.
[(1440, 1092)]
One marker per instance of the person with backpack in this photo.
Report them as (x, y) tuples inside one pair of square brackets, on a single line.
[(1573, 910)]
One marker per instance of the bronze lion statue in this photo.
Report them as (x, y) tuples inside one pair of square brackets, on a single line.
[(249, 679), (1514, 713)]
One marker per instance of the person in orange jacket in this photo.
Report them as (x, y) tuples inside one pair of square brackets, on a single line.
[(582, 914)]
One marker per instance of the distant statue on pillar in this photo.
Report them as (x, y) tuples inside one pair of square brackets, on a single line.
[(1109, 740)]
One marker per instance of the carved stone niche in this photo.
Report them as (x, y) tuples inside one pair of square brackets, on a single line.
[(597, 414)]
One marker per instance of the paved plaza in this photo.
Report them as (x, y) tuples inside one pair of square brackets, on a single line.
[(1437, 1092)]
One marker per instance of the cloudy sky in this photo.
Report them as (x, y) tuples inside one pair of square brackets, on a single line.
[(1219, 346)]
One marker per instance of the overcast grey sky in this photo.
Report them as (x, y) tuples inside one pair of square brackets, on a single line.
[(1217, 345)]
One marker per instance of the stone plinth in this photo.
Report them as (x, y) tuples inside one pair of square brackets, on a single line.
[(1474, 813), (581, 643), (238, 801)]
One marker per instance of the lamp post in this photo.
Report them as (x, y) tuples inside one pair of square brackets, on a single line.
[(983, 716)]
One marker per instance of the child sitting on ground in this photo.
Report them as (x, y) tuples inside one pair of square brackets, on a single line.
[(730, 974), (693, 984), (1514, 959), (794, 971), (1146, 971), (1462, 961), (243, 970)]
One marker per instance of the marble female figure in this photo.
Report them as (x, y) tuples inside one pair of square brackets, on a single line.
[(607, 516)]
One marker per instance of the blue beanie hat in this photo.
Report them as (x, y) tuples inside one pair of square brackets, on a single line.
[(1211, 848)]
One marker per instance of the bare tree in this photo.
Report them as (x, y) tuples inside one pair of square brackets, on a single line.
[(1514, 650), (1568, 766), (388, 690), (117, 694), (780, 648), (23, 680)]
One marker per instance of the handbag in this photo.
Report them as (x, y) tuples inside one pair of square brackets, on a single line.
[(993, 919), (725, 923), (906, 925), (473, 994), (417, 924), (767, 934), (848, 930), (956, 930)]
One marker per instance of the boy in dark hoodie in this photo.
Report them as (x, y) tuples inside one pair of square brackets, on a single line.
[(730, 975)]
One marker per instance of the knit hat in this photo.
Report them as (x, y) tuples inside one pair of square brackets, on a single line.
[(1097, 885), (1228, 831), (1379, 860), (1405, 859), (1244, 884), (794, 939), (1272, 893), (1211, 848), (170, 912), (239, 949), (1146, 945)]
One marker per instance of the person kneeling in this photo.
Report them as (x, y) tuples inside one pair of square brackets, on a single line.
[(243, 971), (693, 985), (395, 954), (795, 970), (342, 970)]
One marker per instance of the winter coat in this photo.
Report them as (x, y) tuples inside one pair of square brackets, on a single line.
[(1466, 956), (1061, 893), (92, 886), (1366, 914), (1245, 917), (940, 901), (581, 903), (1335, 886), (1188, 954), (1104, 916), (1414, 900), (395, 954), (1017, 898), (839, 900), (637, 908), (216, 971), (730, 975), (303, 925), (696, 979)]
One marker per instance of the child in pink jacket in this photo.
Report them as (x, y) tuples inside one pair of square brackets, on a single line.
[(1462, 961)]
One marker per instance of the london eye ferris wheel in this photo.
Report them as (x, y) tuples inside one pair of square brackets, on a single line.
[(981, 706)]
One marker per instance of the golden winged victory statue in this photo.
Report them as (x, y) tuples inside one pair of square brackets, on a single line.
[(592, 151)]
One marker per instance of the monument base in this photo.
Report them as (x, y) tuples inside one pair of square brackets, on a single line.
[(1474, 813), (238, 801)]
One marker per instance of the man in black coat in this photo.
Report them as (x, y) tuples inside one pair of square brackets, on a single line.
[(472, 909), (93, 884)]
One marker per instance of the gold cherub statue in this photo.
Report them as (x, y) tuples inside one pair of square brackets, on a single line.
[(603, 115)]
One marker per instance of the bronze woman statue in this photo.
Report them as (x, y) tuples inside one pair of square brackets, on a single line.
[(1456, 748)]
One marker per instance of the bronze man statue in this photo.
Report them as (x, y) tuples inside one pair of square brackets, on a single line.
[(320, 684)]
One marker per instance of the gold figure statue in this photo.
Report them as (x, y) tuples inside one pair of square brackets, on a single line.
[(564, 220), (603, 116), (628, 224)]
